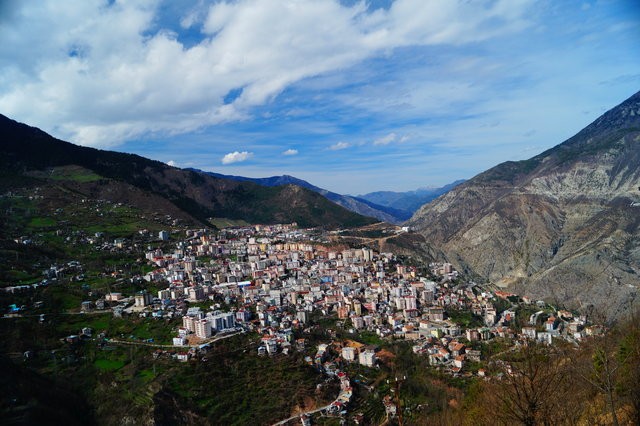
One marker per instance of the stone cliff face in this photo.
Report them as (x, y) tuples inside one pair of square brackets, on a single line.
[(564, 225)]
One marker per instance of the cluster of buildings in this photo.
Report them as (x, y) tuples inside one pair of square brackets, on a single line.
[(271, 279), (278, 276), (204, 325)]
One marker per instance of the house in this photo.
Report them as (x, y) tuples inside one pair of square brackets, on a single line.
[(458, 361), (348, 353), (367, 358), (179, 341), (271, 344), (473, 355), (529, 332), (472, 335), (545, 337), (436, 314), (143, 299), (456, 348)]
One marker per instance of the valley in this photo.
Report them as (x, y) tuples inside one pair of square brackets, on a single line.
[(140, 293), (108, 313)]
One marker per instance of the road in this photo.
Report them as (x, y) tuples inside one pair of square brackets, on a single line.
[(53, 314), (297, 416), (156, 345)]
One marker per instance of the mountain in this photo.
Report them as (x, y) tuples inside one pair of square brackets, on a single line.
[(355, 204), (563, 225), (25, 150), (409, 201)]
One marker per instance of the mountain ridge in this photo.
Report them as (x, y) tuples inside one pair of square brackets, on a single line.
[(354, 204), (560, 225), (408, 201), (26, 148)]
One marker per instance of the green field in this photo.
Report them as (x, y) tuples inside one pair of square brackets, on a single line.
[(108, 364), (74, 173)]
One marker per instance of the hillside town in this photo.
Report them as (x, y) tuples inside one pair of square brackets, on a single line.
[(277, 281), (273, 279)]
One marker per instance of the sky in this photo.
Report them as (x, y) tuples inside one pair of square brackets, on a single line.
[(353, 96)]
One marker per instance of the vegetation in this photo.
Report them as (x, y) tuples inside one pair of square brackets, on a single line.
[(197, 195), (225, 390), (595, 383), (465, 318)]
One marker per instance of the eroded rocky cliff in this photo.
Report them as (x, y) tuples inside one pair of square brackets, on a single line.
[(564, 225)]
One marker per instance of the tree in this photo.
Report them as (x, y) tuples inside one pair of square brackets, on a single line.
[(609, 370), (533, 387), (627, 354)]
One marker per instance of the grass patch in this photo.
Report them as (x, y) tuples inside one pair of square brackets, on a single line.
[(76, 174), (369, 338), (465, 318), (108, 364), (146, 375), (41, 222), (221, 222)]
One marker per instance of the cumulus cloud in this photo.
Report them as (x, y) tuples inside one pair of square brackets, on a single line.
[(340, 145), (290, 152), (66, 70), (172, 163), (236, 157)]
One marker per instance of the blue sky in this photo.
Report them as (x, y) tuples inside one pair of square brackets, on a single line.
[(352, 96)]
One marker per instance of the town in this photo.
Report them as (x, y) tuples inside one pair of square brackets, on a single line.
[(276, 281)]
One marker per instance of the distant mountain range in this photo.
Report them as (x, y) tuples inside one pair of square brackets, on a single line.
[(408, 201), (385, 213), (387, 206), (154, 186), (563, 225)]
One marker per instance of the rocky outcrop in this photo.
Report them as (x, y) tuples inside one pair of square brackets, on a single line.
[(564, 225)]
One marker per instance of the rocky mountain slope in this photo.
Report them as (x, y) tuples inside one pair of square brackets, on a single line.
[(25, 150), (563, 225), (385, 213)]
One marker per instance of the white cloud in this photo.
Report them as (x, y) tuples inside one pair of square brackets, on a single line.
[(290, 152), (386, 140), (340, 145), (172, 163), (236, 157), (390, 138), (67, 71)]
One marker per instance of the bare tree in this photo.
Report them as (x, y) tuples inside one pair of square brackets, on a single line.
[(533, 387)]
